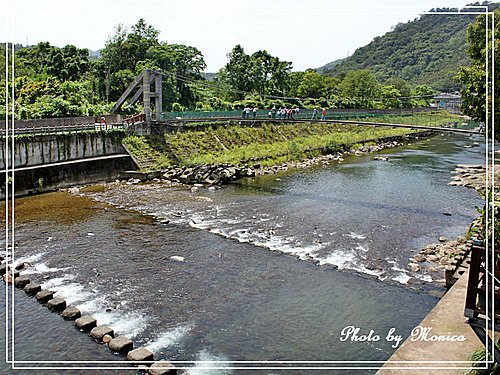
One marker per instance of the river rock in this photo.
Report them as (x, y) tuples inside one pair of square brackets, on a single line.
[(162, 368), (71, 313), (21, 266), (85, 323), (56, 304), (442, 239), (432, 258), (140, 354), (21, 281), (32, 288), (419, 258), (99, 332), (3, 269), (121, 344), (44, 296), (106, 339), (413, 267)]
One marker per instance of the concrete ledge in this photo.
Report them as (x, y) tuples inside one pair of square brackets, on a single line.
[(447, 319)]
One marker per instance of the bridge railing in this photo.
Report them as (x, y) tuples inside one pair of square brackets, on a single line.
[(303, 114)]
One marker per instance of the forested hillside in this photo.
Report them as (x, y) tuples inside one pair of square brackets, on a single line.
[(427, 50)]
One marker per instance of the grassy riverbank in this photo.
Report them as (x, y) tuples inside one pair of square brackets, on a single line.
[(270, 144)]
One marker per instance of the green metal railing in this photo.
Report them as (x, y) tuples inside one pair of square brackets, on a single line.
[(303, 114)]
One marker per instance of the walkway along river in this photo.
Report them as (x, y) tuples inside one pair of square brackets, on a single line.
[(275, 267)]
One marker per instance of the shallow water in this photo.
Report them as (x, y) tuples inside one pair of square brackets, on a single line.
[(259, 281)]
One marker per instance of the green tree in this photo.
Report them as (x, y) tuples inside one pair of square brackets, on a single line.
[(315, 85), (236, 71), (181, 64), (476, 99), (122, 52), (361, 85)]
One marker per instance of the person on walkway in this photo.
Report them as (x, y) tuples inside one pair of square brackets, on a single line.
[(323, 114), (273, 111), (315, 113), (247, 112), (243, 112), (254, 112)]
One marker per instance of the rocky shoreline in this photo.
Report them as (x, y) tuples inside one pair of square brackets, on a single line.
[(447, 260)]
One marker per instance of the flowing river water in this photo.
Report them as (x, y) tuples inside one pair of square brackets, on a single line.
[(275, 266)]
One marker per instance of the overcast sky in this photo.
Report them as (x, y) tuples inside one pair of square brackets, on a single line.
[(310, 33)]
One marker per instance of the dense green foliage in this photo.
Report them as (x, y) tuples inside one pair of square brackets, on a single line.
[(473, 77), (426, 50)]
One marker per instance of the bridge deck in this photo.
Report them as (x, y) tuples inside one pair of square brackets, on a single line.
[(345, 122)]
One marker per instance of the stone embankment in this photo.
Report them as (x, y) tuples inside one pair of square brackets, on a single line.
[(141, 357), (445, 262)]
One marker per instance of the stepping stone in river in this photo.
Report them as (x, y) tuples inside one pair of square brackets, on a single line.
[(99, 332), (32, 288), (44, 296), (71, 313), (140, 354), (121, 344), (162, 368), (85, 323), (56, 304), (21, 281)]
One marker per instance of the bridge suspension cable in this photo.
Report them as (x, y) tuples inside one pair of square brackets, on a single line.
[(210, 85)]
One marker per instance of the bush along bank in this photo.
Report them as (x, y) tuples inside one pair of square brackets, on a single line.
[(214, 174)]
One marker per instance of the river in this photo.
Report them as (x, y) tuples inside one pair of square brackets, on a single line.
[(275, 266)]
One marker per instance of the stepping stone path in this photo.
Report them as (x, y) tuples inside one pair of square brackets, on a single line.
[(44, 296), (162, 368), (56, 304), (86, 323), (71, 313), (21, 281), (99, 332), (140, 354), (121, 344), (32, 288)]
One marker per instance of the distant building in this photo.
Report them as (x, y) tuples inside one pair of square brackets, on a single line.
[(449, 102)]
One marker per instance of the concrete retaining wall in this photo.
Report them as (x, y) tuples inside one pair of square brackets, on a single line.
[(46, 149), (48, 162)]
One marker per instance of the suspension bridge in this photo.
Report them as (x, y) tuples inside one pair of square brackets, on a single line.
[(148, 86)]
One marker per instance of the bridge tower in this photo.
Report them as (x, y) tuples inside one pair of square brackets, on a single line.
[(142, 86)]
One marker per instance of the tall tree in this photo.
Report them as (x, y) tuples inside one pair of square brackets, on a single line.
[(237, 70), (476, 99), (361, 85)]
